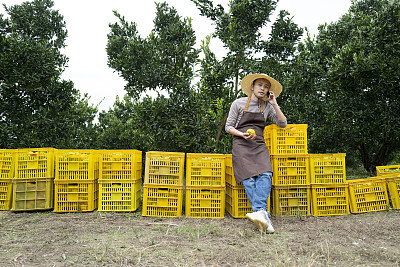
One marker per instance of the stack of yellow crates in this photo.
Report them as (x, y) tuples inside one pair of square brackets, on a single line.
[(291, 190), (205, 185), (163, 184), (392, 177), (7, 165), (376, 193), (303, 183), (76, 180), (236, 201), (120, 181), (33, 180), (390, 170), (367, 195), (328, 185)]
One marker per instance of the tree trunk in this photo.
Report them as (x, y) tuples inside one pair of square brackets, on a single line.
[(236, 82), (225, 116), (383, 151), (220, 129), (365, 157), (380, 158)]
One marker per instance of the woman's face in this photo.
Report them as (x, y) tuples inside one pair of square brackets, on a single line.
[(260, 88)]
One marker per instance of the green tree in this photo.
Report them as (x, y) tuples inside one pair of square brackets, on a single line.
[(155, 124), (240, 30), (117, 129), (192, 119), (37, 108), (163, 62), (351, 71)]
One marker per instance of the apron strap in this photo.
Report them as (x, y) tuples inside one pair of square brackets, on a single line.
[(247, 105), (248, 102)]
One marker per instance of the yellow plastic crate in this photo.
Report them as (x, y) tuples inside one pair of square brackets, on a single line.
[(76, 164), (368, 195), (330, 199), (205, 169), (290, 170), (7, 163), (390, 169), (119, 195), (120, 164), (328, 168), (291, 200), (236, 202), (289, 140), (34, 163), (162, 200), (5, 194), (75, 195), (393, 184), (165, 168), (32, 194), (205, 202), (229, 175)]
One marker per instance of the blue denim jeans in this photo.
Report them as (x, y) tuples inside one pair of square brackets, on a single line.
[(258, 189)]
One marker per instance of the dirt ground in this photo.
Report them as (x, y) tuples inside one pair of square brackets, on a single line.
[(128, 239)]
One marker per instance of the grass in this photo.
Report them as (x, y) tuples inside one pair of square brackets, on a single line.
[(115, 239), (129, 239), (357, 173)]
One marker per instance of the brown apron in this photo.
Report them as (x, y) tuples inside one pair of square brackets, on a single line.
[(250, 158)]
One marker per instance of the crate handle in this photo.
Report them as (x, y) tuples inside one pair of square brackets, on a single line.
[(163, 189)]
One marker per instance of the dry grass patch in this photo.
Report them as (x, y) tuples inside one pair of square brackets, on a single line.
[(128, 239)]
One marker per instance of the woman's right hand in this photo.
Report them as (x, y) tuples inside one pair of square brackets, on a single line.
[(248, 136)]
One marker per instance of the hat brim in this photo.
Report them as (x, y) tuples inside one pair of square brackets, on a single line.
[(247, 82)]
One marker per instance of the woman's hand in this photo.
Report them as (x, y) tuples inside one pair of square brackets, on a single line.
[(244, 135), (248, 136), (272, 98)]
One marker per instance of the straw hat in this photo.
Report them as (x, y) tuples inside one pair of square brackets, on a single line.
[(247, 82)]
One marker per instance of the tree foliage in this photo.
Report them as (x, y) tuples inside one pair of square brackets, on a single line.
[(241, 31), (190, 118), (163, 62), (350, 74), (37, 107), (238, 29), (344, 83)]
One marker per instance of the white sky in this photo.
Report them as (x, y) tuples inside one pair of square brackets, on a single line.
[(87, 24)]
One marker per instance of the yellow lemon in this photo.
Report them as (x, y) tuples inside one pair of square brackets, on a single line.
[(251, 131)]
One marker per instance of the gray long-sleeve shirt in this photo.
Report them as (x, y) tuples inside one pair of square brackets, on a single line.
[(237, 109)]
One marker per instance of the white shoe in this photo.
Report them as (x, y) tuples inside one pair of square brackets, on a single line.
[(258, 219), (270, 228), (250, 216)]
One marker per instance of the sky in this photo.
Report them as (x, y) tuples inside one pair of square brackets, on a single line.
[(87, 23)]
